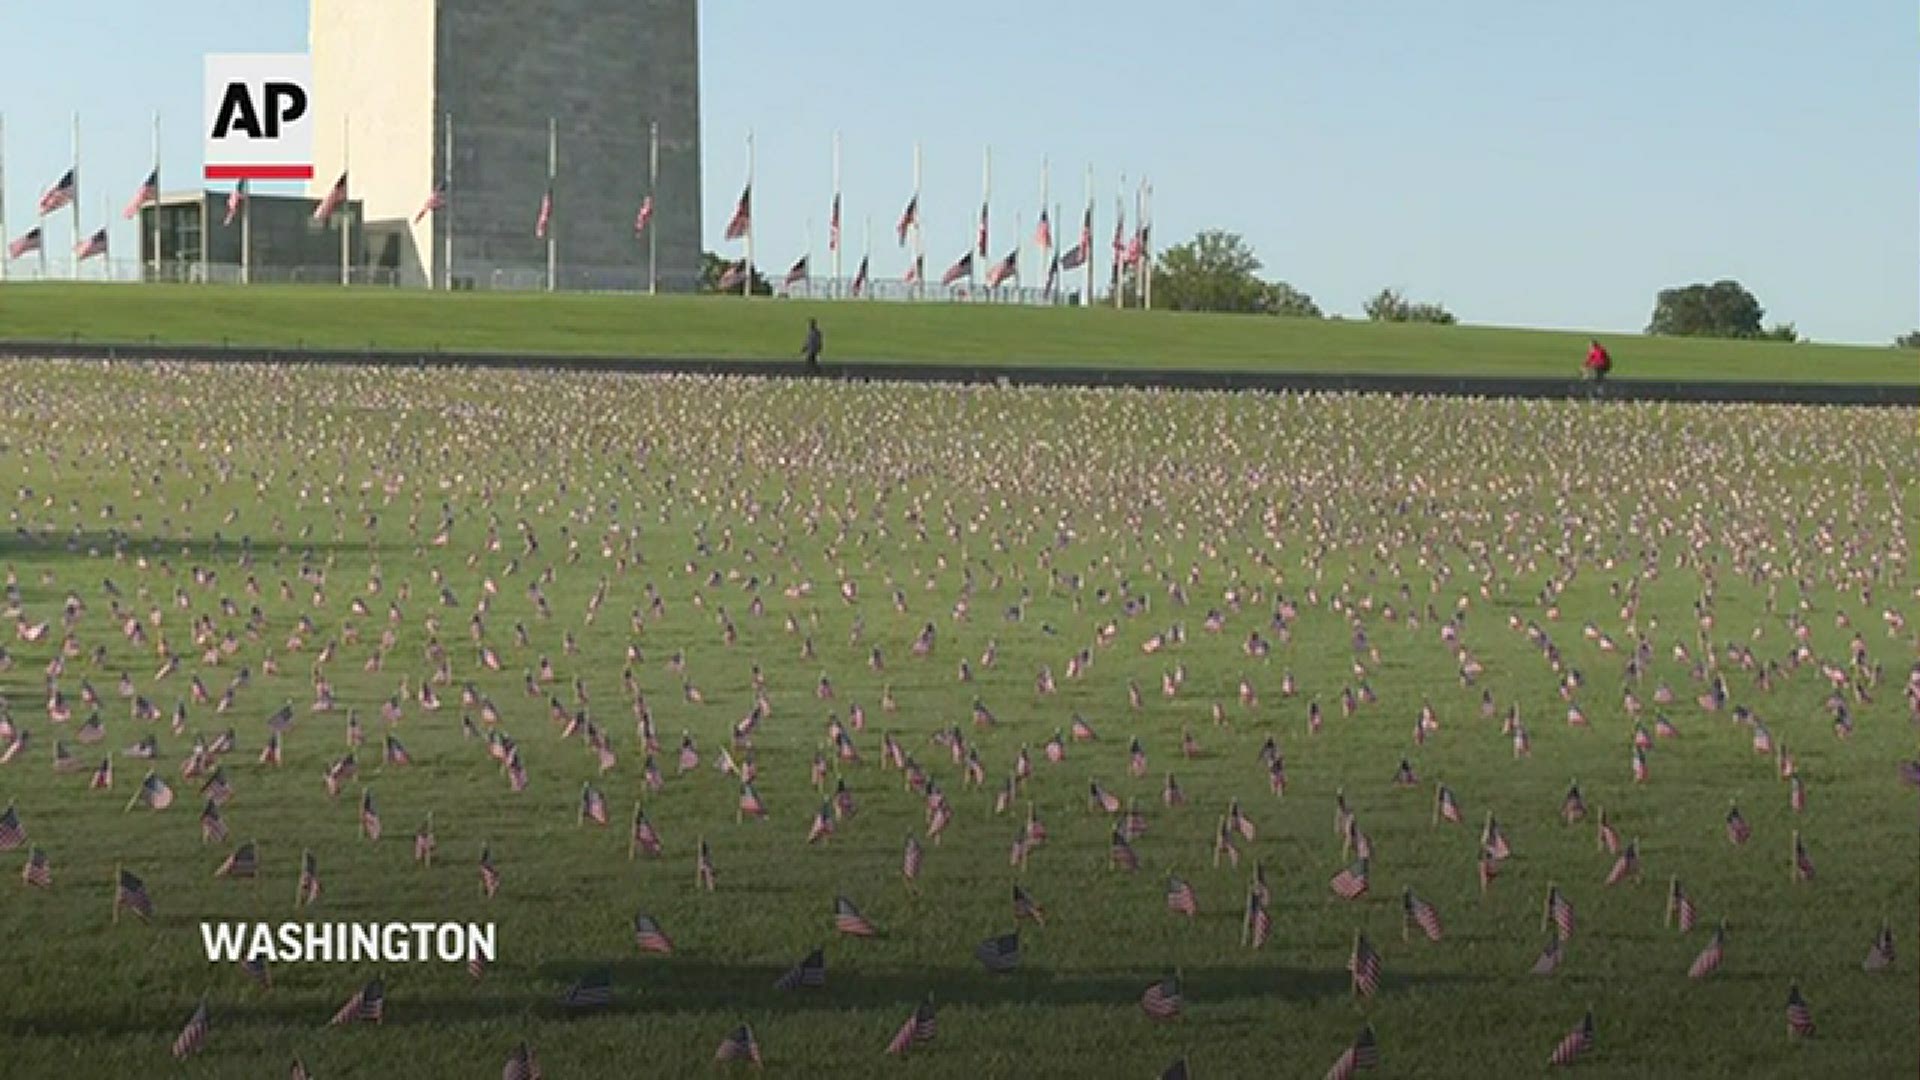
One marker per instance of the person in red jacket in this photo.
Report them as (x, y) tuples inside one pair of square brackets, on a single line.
[(1598, 362)]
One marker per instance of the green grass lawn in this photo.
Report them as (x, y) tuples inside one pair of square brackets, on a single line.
[(726, 327), (1029, 525)]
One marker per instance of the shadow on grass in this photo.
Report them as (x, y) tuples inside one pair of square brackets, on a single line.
[(669, 985)]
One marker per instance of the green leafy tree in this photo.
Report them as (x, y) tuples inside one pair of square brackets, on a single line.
[(1218, 271), (713, 268), (1722, 309), (1389, 306)]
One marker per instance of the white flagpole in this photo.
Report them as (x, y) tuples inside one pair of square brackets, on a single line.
[(346, 204), (553, 164), (985, 243), (919, 234), (1086, 220), (156, 195), (246, 237), (1146, 250), (1120, 234), (866, 251), (76, 198), (833, 227), (445, 219), (653, 187), (1139, 222), (1019, 223), (1043, 207), (746, 283), (807, 255), (5, 236), (1052, 260)]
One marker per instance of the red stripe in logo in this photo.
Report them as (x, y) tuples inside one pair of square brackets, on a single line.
[(259, 172)]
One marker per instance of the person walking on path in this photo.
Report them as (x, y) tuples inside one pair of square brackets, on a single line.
[(811, 350), (1598, 362)]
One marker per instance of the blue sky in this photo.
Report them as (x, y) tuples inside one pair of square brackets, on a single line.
[(1528, 162)]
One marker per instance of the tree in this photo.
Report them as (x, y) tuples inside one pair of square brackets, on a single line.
[(1909, 340), (1722, 309), (1218, 271), (1389, 306), (713, 268)]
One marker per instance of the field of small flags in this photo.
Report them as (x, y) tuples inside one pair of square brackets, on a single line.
[(868, 730)]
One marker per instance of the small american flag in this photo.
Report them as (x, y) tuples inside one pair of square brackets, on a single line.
[(424, 842), (741, 223), (1799, 1013), (213, 827), (369, 816), (1259, 921), (916, 270), (308, 889), (999, 954), (102, 778), (336, 198), (1351, 883), (217, 789), (1577, 1042), (648, 935), (833, 225), (1802, 862), (1627, 865), (750, 804), (436, 200), (542, 223), (367, 1005), (1074, 257), (1709, 959), (860, 278), (63, 192), (1447, 808), (797, 272), (703, 871), (1550, 957), (911, 858), (149, 192), (1120, 853), (644, 217), (1680, 905), (1162, 1000), (194, 1035), (1364, 965), (909, 218), (810, 973), (1738, 831), (593, 805), (243, 863), (1180, 898), (1559, 912), (848, 920), (1422, 914), (594, 990), (1573, 807), (38, 873), (1363, 1054), (739, 1046), (299, 1071), (132, 895), (920, 1028), (25, 243), (1880, 956), (12, 833), (489, 874), (521, 1064), (395, 753), (1043, 233), (1026, 908), (1606, 835), (154, 793), (645, 838)]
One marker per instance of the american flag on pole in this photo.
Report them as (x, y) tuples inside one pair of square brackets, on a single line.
[(369, 816), (920, 1028), (131, 893), (848, 920), (1560, 912), (308, 888), (593, 805), (810, 973), (1710, 957), (1259, 921), (1363, 1054), (645, 216), (62, 193), (1550, 957), (962, 267), (1422, 914), (916, 269), (367, 1005), (436, 200), (1162, 1000), (489, 874), (797, 272), (909, 218), (1026, 908), (980, 241), (1799, 1013), (194, 1035), (149, 192), (244, 863), (742, 220), (649, 936), (645, 837), (1680, 905), (739, 1046), (1627, 865), (1180, 898), (860, 278), (12, 833), (26, 243), (1364, 965), (833, 225), (1738, 831), (1351, 883), (1008, 267), (154, 793), (39, 874), (1880, 956), (1043, 232), (1577, 1042), (521, 1064), (545, 220), (424, 843), (1802, 862), (336, 198)]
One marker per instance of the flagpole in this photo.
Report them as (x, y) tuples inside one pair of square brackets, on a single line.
[(653, 186), (919, 235), (746, 281), (346, 207), (1043, 213), (446, 216), (553, 156), (1053, 260), (1139, 202), (76, 198), (866, 248), (156, 195), (5, 236), (1086, 293), (1146, 249), (1119, 234), (246, 236), (833, 235), (986, 196)]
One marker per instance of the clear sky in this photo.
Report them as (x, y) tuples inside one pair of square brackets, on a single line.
[(1528, 162)]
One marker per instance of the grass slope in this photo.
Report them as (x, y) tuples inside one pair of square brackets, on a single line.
[(951, 507), (729, 328)]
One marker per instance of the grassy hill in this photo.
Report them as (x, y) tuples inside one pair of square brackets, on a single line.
[(728, 327)]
